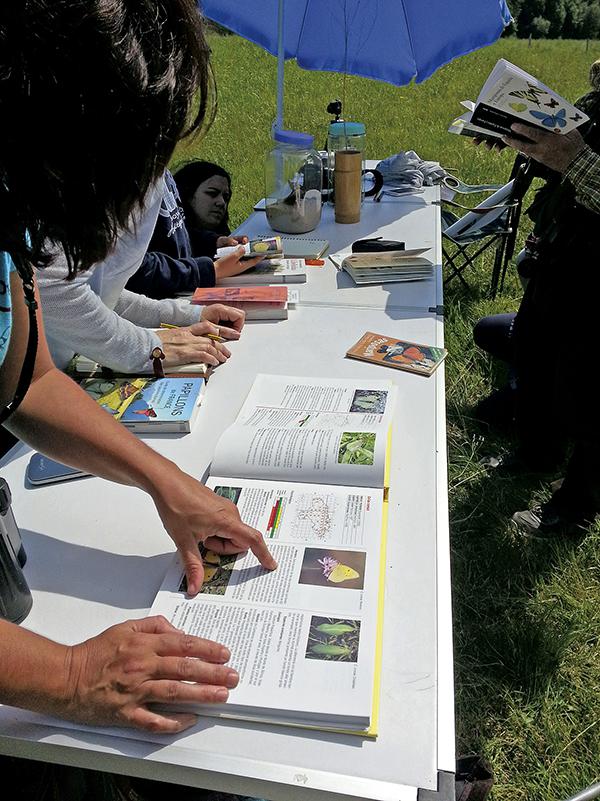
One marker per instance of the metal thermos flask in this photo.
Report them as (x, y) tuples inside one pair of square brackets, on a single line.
[(15, 597)]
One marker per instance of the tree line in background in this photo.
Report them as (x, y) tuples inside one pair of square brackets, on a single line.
[(555, 19)]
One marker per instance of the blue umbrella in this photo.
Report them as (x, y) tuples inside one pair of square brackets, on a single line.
[(389, 40)]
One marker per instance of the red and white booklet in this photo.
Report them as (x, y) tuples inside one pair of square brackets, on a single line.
[(258, 302)]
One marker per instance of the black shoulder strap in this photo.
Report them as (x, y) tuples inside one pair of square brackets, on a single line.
[(32, 343)]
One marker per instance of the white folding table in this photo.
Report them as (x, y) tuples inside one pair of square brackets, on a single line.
[(97, 554), (418, 226)]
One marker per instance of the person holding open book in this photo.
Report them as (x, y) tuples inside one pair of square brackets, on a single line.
[(552, 335), (142, 71)]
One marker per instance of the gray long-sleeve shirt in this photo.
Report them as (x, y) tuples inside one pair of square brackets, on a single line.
[(94, 315)]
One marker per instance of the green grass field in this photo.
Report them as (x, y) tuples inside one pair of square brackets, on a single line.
[(526, 616)]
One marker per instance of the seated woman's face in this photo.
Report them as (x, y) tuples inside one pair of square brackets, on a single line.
[(210, 201)]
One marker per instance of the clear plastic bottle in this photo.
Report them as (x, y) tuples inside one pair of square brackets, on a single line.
[(293, 182)]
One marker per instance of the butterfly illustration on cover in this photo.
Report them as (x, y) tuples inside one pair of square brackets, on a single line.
[(576, 117), (551, 120), (532, 93), (553, 103), (149, 412)]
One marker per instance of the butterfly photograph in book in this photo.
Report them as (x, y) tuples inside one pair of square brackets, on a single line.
[(218, 569), (324, 567), (511, 95)]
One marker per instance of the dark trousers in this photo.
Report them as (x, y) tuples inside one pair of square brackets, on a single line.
[(494, 335), (550, 345), (554, 337)]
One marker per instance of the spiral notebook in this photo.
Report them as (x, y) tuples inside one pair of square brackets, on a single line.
[(300, 247)]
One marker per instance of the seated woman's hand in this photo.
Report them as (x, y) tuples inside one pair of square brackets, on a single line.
[(227, 321), (231, 241), (234, 264), (190, 345), (113, 678)]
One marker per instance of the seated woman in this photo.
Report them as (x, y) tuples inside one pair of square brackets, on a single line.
[(93, 315), (205, 192), (191, 225)]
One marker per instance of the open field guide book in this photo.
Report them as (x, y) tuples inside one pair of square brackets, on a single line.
[(512, 95), (305, 463)]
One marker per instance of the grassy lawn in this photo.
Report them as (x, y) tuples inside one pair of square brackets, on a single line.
[(526, 617)]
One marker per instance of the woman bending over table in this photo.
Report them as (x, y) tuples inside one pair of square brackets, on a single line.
[(119, 82)]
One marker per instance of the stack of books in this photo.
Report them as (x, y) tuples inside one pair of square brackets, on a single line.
[(387, 266), (258, 302)]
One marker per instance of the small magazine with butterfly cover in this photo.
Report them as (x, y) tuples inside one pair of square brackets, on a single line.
[(392, 352), (306, 462), (511, 95), (146, 404)]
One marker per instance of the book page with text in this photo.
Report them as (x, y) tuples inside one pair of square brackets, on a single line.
[(320, 395), (303, 637), (351, 455), (332, 431)]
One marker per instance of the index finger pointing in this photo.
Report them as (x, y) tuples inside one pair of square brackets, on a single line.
[(253, 540)]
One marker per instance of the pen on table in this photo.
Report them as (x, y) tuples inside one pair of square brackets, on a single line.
[(335, 263), (214, 337)]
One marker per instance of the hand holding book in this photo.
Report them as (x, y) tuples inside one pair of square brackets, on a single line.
[(548, 149), (234, 263)]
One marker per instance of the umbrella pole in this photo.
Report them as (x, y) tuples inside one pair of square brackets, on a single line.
[(280, 67)]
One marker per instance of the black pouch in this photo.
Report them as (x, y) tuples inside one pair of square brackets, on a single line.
[(376, 245), (474, 778)]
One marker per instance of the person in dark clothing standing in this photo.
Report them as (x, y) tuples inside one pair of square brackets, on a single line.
[(554, 331), (180, 256)]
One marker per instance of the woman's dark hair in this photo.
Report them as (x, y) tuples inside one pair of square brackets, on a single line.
[(94, 95), (189, 177)]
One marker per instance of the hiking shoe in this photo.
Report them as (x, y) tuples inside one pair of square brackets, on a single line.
[(497, 410), (545, 522)]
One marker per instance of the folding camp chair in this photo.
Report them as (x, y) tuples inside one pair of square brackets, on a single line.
[(491, 224), (593, 791)]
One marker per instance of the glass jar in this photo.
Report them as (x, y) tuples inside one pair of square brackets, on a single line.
[(293, 182), (343, 136)]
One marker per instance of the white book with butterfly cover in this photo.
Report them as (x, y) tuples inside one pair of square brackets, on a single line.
[(511, 95), (306, 463)]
